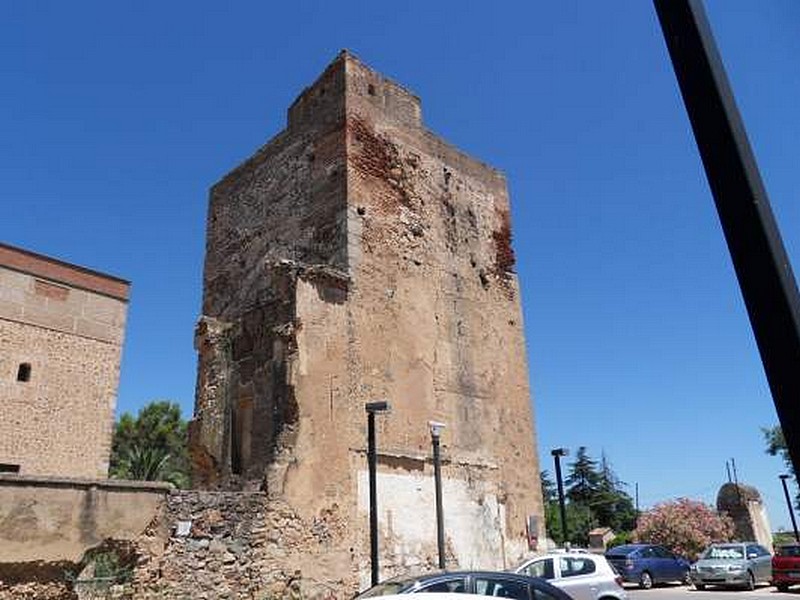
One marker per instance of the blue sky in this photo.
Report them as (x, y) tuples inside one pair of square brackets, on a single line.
[(116, 117)]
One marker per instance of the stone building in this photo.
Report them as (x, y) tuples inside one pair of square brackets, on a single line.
[(61, 332), (743, 504), (358, 257)]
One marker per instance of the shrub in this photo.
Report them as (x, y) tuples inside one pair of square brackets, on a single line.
[(684, 526)]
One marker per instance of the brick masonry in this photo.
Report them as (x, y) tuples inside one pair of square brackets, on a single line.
[(61, 334), (357, 257)]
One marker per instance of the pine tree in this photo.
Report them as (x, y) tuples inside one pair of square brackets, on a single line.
[(583, 479)]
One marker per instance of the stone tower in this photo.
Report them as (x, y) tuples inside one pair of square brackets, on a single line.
[(358, 257), (743, 504), (61, 333)]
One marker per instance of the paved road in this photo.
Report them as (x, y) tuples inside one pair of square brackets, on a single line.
[(676, 592)]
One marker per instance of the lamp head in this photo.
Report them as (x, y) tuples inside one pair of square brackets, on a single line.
[(436, 428), (376, 407), (559, 452)]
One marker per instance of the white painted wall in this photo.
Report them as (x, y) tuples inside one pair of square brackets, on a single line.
[(474, 520)]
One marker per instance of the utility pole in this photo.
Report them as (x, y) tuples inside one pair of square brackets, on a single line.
[(436, 433), (557, 453), (372, 461)]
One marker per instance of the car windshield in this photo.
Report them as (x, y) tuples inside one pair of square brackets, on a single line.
[(621, 551), (733, 551), (788, 551)]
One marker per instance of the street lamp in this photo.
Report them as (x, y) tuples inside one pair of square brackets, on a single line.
[(436, 432), (372, 461), (557, 453), (783, 479)]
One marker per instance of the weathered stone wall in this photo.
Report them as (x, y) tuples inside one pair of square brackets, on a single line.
[(61, 333), (358, 257), (54, 519), (744, 505), (49, 528), (240, 545), (436, 290)]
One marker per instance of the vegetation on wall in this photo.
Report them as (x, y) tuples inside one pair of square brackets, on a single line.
[(151, 446)]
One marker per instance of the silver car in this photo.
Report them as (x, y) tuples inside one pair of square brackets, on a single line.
[(582, 575), (739, 564)]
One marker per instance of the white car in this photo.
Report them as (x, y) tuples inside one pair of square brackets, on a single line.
[(582, 575)]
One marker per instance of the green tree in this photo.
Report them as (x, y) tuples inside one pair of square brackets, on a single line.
[(579, 517), (611, 505), (776, 446), (552, 515), (549, 490), (152, 446), (583, 479), (595, 497)]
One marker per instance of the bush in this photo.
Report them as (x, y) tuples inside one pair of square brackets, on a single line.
[(684, 526)]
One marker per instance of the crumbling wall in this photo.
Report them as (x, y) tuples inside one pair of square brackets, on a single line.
[(242, 545), (358, 257), (52, 529), (744, 506), (187, 544), (277, 218), (438, 326)]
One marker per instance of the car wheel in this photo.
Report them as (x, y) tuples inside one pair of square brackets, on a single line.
[(699, 587), (645, 580), (782, 587), (751, 582)]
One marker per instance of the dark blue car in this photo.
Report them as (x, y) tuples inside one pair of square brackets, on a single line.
[(648, 564)]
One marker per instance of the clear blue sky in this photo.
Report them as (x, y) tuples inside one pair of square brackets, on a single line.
[(116, 117)]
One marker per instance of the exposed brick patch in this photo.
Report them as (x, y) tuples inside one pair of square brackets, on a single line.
[(57, 270), (504, 253), (50, 290), (376, 157)]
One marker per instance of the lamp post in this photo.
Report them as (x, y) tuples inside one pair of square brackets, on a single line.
[(557, 453), (783, 479), (436, 432), (372, 461)]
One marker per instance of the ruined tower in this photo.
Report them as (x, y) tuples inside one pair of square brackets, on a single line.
[(358, 257)]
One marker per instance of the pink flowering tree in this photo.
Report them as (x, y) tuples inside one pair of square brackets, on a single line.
[(684, 526)]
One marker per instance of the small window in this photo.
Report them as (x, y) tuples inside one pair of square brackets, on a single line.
[(576, 566), (24, 372), (451, 585), (659, 552), (8, 468), (541, 568), (501, 588)]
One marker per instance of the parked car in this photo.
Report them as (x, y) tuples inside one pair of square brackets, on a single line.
[(786, 566), (483, 583), (583, 576), (739, 564), (648, 564)]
